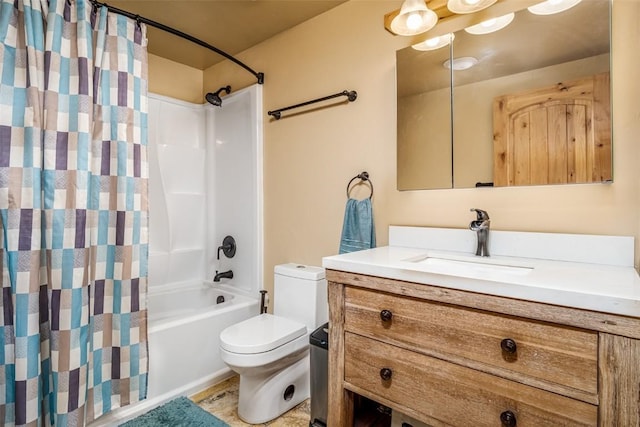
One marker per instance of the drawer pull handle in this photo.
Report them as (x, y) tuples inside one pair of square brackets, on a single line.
[(385, 374), (508, 419), (508, 346), (386, 315)]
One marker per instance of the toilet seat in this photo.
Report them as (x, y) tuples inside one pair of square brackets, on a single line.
[(260, 334)]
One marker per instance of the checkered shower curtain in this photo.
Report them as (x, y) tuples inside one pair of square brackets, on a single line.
[(73, 212)]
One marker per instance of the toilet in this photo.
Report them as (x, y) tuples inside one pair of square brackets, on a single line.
[(270, 352)]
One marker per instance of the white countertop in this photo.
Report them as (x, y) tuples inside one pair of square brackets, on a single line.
[(605, 288)]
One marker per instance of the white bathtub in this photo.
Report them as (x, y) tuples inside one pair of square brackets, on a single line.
[(167, 308), (183, 331)]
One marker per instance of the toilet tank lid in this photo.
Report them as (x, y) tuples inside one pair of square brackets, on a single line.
[(300, 271)]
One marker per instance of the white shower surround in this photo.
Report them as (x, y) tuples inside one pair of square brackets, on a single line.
[(209, 161), (205, 183)]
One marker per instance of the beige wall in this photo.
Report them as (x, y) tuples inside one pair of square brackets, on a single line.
[(309, 158), (178, 81)]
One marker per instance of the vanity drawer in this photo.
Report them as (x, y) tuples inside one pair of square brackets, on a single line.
[(453, 394), (554, 357)]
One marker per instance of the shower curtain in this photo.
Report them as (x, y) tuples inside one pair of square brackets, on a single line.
[(73, 212)]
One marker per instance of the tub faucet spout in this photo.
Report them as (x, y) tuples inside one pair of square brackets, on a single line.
[(223, 275), (481, 227)]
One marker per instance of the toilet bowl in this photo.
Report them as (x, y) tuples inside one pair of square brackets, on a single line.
[(274, 375), (270, 352)]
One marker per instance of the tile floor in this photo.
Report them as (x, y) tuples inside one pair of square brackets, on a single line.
[(222, 400)]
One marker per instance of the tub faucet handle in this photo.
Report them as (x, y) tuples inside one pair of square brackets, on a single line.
[(228, 247)]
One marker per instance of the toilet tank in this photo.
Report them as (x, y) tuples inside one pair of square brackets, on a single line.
[(300, 293)]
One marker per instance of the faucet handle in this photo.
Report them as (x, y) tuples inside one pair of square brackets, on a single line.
[(228, 247), (481, 215)]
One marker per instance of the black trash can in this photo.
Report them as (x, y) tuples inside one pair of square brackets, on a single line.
[(319, 370)]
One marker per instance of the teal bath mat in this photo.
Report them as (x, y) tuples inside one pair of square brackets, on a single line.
[(180, 412)]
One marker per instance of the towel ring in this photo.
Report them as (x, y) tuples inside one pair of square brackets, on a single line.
[(364, 176)]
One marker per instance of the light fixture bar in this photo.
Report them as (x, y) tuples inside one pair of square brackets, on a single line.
[(455, 21)]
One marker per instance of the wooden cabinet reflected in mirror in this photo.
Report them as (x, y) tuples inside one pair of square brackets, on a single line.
[(446, 118)]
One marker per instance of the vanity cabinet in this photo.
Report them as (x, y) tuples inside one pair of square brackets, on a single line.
[(458, 358)]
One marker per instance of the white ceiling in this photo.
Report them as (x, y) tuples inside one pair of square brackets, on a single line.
[(230, 25)]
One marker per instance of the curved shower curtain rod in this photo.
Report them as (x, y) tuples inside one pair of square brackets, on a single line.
[(158, 25)]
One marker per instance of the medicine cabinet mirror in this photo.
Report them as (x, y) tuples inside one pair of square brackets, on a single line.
[(534, 109)]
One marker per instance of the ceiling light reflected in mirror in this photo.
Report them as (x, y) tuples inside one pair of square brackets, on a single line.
[(435, 42), (460, 64)]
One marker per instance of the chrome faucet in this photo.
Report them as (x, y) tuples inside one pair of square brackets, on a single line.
[(481, 227), (223, 275)]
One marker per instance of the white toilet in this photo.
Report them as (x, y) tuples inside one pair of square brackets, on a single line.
[(271, 351)]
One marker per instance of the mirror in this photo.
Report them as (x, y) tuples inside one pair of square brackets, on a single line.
[(534, 110)]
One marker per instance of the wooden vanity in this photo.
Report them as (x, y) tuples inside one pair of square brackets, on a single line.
[(451, 357)]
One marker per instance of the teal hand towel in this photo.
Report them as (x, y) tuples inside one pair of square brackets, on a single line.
[(358, 231)]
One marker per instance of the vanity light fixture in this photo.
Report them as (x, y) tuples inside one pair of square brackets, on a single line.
[(435, 42), (459, 64), (491, 25), (468, 6), (550, 7), (414, 18)]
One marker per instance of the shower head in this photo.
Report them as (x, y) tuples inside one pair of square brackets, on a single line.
[(214, 97)]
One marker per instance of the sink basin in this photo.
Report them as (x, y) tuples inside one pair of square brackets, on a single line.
[(458, 266)]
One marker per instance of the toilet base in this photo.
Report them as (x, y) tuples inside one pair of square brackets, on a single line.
[(265, 397)]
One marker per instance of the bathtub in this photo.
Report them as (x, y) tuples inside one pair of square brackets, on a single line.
[(169, 308), (183, 331)]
